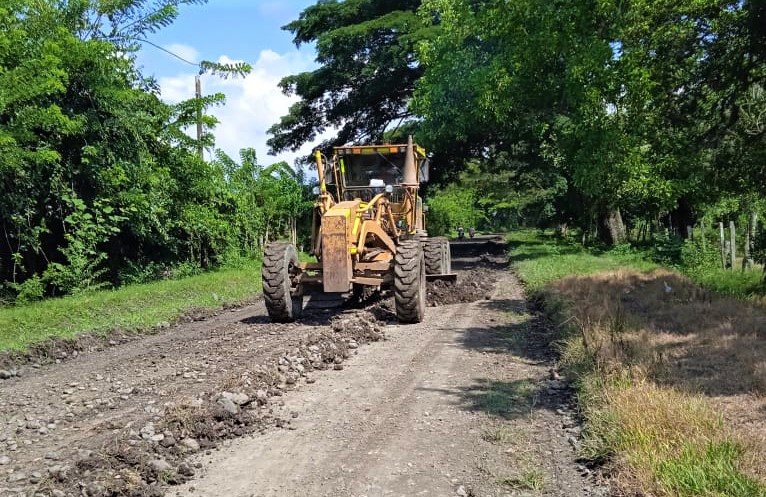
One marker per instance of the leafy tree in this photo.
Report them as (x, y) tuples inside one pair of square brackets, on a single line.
[(646, 108), (270, 201), (98, 174), (368, 70)]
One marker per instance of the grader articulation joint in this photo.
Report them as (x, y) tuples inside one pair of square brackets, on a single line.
[(368, 230)]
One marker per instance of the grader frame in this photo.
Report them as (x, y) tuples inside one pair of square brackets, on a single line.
[(368, 230)]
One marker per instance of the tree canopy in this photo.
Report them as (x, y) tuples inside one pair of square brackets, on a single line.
[(368, 69), (579, 113)]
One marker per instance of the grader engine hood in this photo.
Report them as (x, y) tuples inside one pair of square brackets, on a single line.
[(337, 245)]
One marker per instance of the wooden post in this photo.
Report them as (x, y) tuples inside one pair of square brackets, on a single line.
[(703, 239), (723, 246), (689, 232), (747, 259), (733, 244)]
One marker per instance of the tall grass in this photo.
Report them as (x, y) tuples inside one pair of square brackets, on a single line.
[(130, 308), (643, 346)]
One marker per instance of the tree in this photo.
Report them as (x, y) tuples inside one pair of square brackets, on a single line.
[(97, 174), (368, 70)]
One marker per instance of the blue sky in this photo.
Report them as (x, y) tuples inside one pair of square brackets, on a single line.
[(234, 30)]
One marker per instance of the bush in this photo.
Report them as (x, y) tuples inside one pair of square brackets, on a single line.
[(695, 256), (30, 290), (667, 249), (135, 273)]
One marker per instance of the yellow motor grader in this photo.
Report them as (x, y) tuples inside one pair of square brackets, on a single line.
[(368, 231)]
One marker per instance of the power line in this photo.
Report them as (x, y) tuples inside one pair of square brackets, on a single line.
[(195, 64)]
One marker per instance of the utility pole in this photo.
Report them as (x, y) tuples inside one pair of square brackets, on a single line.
[(198, 94)]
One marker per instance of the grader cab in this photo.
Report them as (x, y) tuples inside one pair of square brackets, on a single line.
[(368, 231)]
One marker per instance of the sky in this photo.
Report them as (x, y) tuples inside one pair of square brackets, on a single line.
[(234, 30)]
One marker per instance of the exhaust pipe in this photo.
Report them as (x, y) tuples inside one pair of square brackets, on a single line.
[(410, 169)]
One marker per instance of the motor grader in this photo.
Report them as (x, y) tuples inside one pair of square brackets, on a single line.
[(368, 232)]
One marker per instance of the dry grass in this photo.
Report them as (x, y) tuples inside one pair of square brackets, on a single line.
[(686, 337), (673, 379)]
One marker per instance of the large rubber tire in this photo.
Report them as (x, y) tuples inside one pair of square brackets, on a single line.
[(437, 254), (280, 263), (447, 256), (410, 282)]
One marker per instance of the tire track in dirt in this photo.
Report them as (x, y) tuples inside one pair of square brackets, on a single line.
[(350, 422)]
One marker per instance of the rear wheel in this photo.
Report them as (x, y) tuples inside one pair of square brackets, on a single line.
[(447, 256), (437, 255), (280, 265), (410, 282)]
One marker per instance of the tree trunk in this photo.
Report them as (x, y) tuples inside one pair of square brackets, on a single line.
[(681, 217), (615, 233)]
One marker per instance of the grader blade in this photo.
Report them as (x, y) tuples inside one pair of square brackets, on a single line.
[(321, 300)]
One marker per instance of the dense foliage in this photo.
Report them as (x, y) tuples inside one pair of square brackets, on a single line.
[(99, 183), (620, 119), (612, 117)]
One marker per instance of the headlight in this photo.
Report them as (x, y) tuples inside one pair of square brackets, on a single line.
[(389, 188), (316, 190)]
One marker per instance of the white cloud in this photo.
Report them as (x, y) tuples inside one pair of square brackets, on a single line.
[(184, 51), (253, 103)]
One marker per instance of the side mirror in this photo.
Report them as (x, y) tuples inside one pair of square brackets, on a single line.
[(425, 167)]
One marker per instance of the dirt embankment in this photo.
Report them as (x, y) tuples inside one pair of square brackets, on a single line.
[(141, 414)]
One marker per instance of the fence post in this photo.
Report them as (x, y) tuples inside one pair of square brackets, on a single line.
[(733, 245), (723, 246)]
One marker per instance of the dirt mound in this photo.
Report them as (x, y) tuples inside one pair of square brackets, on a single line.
[(57, 349), (472, 285), (145, 455)]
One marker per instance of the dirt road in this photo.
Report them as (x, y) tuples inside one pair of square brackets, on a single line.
[(349, 404)]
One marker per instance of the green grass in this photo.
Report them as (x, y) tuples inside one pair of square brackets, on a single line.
[(530, 479), (740, 284), (540, 259), (505, 399), (131, 308), (711, 471), (498, 434)]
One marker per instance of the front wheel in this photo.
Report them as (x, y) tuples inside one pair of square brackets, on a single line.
[(280, 265), (410, 282)]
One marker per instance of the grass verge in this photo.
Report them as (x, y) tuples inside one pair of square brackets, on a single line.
[(131, 308), (670, 376), (741, 284), (540, 259)]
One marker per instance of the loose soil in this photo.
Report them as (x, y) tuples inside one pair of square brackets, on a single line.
[(340, 403)]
